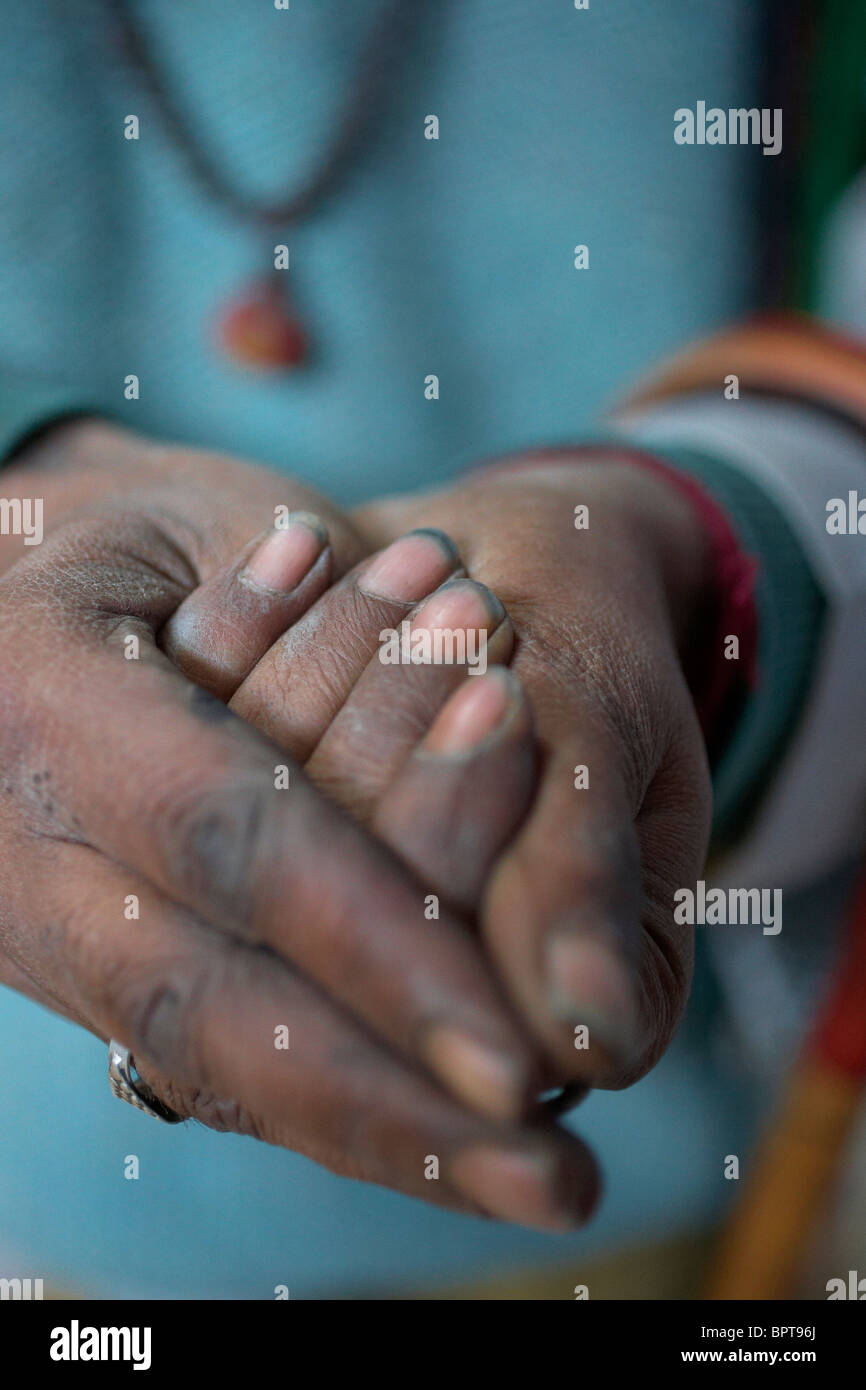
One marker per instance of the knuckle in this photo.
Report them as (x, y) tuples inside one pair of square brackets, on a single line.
[(609, 870), (596, 864), (107, 564), (70, 562), (162, 1013), (265, 697), (337, 663), (352, 1105), (226, 1115), (214, 844), (592, 870), (221, 1113), (356, 620)]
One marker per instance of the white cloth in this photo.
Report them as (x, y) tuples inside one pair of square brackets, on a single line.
[(812, 816)]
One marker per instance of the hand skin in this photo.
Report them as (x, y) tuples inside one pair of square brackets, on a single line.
[(255, 909), (355, 722), (578, 914), (361, 727)]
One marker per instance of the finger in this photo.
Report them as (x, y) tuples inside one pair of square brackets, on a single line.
[(297, 689), (562, 912), (163, 778), (458, 629), (591, 963), (458, 800), (231, 1035), (228, 623), (465, 789)]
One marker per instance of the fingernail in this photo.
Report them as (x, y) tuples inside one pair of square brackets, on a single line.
[(411, 567), (286, 554), (461, 603), (474, 712), (588, 984), (481, 1076), (520, 1187)]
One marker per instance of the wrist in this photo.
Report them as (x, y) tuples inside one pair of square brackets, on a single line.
[(710, 579), (665, 522)]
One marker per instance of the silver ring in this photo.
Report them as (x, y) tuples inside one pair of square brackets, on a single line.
[(127, 1085)]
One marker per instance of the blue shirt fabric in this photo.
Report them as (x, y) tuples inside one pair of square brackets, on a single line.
[(452, 257)]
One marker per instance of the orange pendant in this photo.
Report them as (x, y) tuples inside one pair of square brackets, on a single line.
[(260, 331)]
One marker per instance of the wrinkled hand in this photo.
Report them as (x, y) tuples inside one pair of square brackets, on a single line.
[(578, 914), (125, 783)]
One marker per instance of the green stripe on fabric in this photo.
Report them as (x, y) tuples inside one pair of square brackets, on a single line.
[(791, 610), (835, 134)]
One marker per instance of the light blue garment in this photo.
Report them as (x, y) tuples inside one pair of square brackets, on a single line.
[(452, 257), (220, 1216)]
